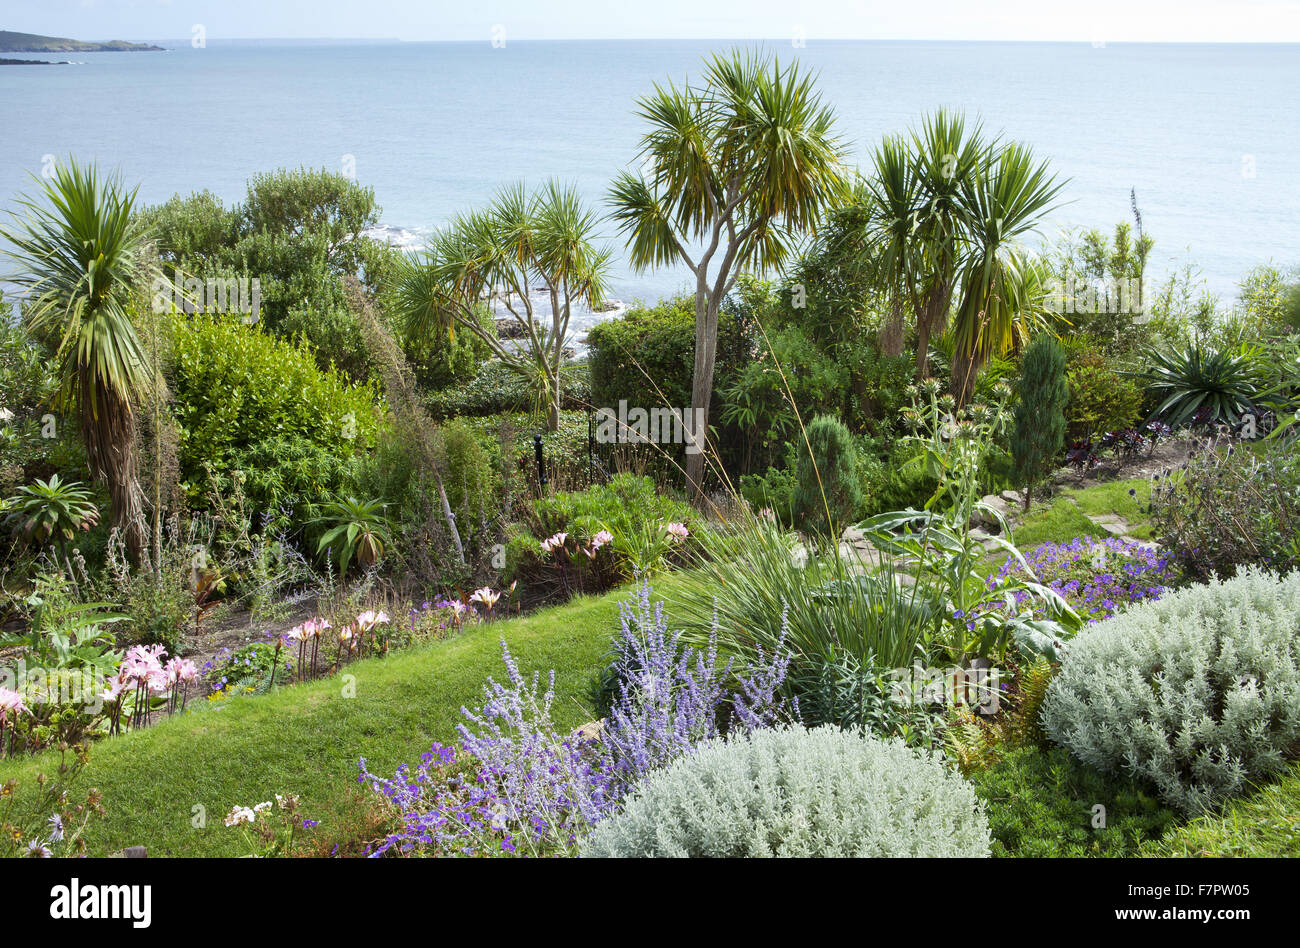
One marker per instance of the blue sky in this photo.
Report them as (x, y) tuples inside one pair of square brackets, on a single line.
[(1080, 21)]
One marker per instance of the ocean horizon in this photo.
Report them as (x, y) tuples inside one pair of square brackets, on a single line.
[(1200, 133)]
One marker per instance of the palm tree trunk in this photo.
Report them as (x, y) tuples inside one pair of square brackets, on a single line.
[(706, 343), (107, 427), (891, 333)]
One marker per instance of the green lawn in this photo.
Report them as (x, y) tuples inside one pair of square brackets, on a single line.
[(1266, 823), (306, 739), (1067, 516)]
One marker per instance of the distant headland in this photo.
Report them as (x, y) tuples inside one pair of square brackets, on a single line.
[(11, 42)]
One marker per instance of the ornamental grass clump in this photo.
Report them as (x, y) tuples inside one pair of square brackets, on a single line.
[(797, 793), (1197, 693)]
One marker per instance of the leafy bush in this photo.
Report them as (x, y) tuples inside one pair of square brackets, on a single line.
[(628, 508), (760, 398), (1198, 693), (827, 494), (247, 402), (772, 491), (796, 793), (647, 357), (27, 380), (1042, 804), (1228, 507), (472, 481), (1100, 398), (495, 389)]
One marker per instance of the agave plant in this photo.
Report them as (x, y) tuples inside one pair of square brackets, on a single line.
[(1218, 384), (51, 510), (356, 530)]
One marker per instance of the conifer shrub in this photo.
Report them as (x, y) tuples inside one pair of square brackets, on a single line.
[(1038, 431), (828, 493)]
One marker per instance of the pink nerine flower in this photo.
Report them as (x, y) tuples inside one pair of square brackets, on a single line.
[(180, 671), (601, 538), (487, 596), (551, 544), (369, 619), (677, 530), (143, 666), (11, 704)]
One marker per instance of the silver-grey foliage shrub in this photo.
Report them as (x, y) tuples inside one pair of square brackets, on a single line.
[(796, 792), (1199, 692)]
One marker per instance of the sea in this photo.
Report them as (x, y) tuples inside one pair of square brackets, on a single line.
[(1205, 137)]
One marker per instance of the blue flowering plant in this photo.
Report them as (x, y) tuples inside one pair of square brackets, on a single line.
[(518, 784), (1097, 577)]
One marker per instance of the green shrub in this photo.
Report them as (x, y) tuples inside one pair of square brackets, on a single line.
[(797, 793), (1042, 804), (827, 494), (495, 389), (647, 357), (889, 482), (1198, 692), (1100, 398), (472, 480), (1038, 435), (628, 507), (760, 398), (245, 401), (1224, 509), (771, 491)]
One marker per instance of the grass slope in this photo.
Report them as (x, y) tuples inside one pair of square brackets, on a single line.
[(306, 739), (1266, 823)]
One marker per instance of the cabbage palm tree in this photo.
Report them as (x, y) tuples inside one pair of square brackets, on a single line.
[(892, 238), (519, 245), (1003, 289), (77, 251), (731, 171), (945, 155)]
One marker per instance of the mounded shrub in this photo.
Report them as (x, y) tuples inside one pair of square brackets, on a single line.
[(1198, 693), (798, 793)]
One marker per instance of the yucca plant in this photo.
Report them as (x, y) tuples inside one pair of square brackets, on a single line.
[(51, 510), (1218, 385), (355, 530), (78, 252)]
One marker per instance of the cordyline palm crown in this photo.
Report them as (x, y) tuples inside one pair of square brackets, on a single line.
[(733, 170), (77, 251), (519, 244), (946, 208)]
